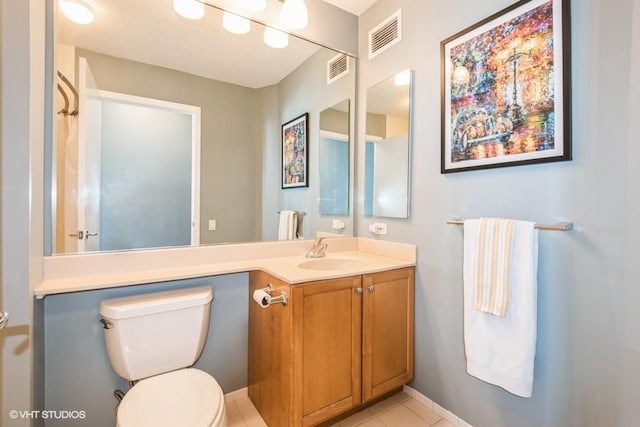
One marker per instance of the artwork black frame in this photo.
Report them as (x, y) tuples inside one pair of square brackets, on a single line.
[(295, 152), (496, 131)]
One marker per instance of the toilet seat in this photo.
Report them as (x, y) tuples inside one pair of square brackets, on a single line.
[(186, 397)]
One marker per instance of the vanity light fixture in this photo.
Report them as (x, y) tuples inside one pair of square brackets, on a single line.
[(190, 9), (77, 11), (403, 78), (294, 14), (275, 38), (235, 24)]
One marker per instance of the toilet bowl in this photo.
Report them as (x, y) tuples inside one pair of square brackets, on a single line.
[(153, 340)]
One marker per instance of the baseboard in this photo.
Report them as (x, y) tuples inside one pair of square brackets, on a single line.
[(446, 414)]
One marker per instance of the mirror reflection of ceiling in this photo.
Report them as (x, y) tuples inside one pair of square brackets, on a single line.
[(389, 98), (147, 30)]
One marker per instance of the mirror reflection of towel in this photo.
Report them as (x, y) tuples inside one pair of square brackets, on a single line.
[(288, 225)]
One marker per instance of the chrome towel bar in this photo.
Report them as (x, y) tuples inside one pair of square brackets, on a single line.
[(563, 226)]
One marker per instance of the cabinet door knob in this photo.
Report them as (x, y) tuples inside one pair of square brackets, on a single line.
[(359, 290), (372, 288)]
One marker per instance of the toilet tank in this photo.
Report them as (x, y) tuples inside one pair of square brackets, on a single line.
[(154, 333)]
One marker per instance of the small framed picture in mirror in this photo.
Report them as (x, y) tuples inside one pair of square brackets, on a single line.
[(295, 152)]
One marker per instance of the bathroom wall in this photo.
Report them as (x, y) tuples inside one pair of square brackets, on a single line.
[(588, 351), (22, 88), (79, 375)]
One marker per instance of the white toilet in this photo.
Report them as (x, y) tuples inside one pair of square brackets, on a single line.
[(153, 339)]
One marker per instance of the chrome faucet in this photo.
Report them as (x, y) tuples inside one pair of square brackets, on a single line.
[(317, 250)]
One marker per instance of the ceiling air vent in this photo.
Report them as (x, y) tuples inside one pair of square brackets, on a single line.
[(337, 67), (385, 34)]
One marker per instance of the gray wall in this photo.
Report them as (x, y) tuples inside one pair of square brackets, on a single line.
[(22, 89), (587, 367), (229, 146), (79, 374)]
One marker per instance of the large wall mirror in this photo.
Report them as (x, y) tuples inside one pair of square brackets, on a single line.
[(387, 187), (167, 131)]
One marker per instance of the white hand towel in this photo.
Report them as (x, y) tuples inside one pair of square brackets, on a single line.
[(288, 225), (501, 350), (293, 226)]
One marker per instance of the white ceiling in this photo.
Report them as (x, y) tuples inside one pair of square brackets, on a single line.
[(354, 6)]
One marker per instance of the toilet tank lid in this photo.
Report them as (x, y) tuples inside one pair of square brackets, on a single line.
[(156, 302)]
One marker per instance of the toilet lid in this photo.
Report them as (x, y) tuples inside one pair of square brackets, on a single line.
[(187, 397)]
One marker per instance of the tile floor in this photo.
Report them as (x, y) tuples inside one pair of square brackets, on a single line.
[(400, 410)]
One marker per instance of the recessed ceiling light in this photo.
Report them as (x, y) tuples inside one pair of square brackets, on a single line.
[(77, 11), (403, 78)]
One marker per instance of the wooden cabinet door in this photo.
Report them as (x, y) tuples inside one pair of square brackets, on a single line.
[(327, 353), (270, 370), (387, 324)]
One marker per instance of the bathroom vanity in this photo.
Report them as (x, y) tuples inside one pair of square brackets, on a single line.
[(278, 348), (338, 344)]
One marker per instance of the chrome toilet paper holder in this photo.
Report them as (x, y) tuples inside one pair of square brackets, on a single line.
[(280, 299)]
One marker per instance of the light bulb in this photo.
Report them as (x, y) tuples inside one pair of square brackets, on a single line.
[(253, 5), (275, 38), (403, 78), (77, 11), (235, 24), (294, 14), (190, 9)]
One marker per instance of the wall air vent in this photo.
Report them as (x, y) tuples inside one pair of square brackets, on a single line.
[(385, 34), (337, 67)]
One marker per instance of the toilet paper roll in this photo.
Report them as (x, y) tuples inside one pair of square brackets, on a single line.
[(261, 298)]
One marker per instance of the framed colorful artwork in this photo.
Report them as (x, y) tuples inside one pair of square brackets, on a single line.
[(506, 89), (295, 153)]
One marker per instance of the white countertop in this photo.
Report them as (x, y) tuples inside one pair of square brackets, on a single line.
[(82, 272)]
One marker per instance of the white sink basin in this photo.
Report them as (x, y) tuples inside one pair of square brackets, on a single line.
[(330, 264)]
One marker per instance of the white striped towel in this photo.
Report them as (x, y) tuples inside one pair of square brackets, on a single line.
[(493, 251)]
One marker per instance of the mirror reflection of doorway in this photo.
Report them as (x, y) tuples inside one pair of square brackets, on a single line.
[(137, 173)]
